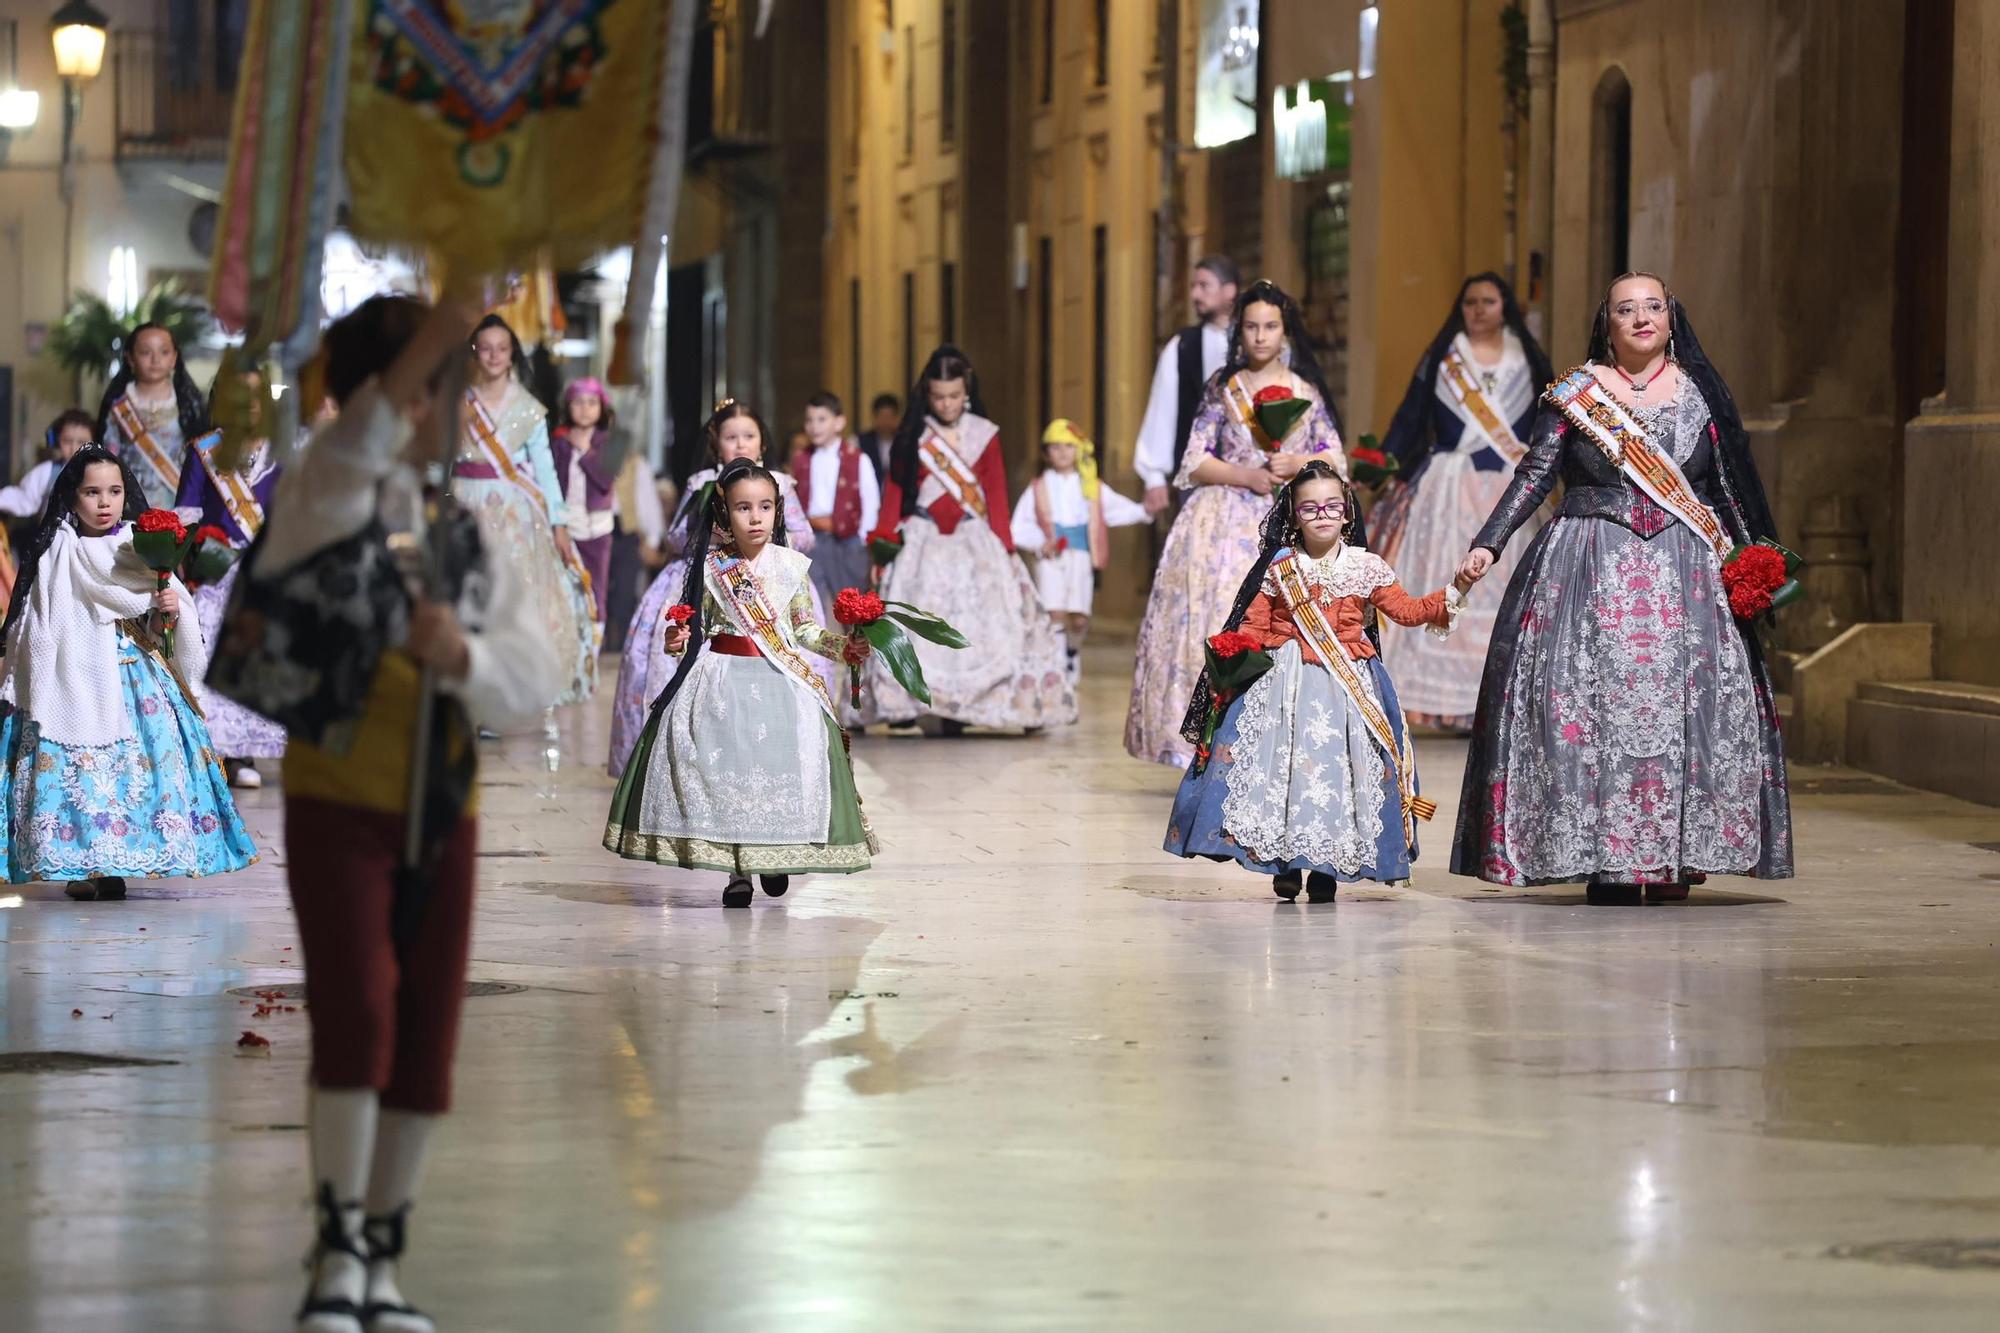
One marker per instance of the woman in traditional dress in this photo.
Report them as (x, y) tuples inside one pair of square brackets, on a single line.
[(1626, 735), (505, 467), (1230, 469), (945, 500), (151, 412), (234, 500), (734, 431), (1458, 436)]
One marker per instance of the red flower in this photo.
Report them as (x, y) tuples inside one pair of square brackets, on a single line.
[(1273, 393), (1062, 545), (251, 1039), (680, 613), (208, 532), (163, 520), (1233, 643), (854, 607), (1374, 456), (1751, 577)]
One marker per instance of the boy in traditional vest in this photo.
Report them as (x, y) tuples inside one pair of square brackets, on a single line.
[(838, 489)]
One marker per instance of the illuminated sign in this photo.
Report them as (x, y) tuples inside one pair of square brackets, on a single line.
[(1309, 123)]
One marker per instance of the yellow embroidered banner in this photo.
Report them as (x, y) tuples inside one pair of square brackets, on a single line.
[(493, 133)]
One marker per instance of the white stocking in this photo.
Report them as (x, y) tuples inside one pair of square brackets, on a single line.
[(343, 1146), (402, 1142)]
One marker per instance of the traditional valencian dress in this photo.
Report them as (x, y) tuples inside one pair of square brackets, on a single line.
[(1054, 509), (1311, 768), (958, 562), (234, 502), (1626, 729), (506, 473), (644, 668), (1208, 553), (744, 769), (109, 771), (1458, 444), (150, 441)]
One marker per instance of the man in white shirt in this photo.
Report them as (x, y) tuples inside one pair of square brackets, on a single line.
[(67, 434), (1186, 362), (841, 497)]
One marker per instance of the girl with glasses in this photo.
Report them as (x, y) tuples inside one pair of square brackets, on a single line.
[(1308, 775)]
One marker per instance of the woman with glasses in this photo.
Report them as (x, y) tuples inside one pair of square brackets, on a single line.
[(1458, 436), (1626, 736)]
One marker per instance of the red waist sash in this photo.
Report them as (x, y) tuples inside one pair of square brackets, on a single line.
[(734, 645), (473, 470)]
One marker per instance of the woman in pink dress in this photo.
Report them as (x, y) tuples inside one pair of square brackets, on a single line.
[(1230, 470)]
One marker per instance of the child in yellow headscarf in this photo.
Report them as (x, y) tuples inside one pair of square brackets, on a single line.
[(1065, 518)]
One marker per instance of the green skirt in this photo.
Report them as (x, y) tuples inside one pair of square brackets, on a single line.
[(848, 846)]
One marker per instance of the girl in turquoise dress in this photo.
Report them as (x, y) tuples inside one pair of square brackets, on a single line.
[(108, 771)]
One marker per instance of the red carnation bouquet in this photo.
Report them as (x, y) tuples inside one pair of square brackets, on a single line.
[(680, 613), (1760, 577), (209, 556), (1369, 464), (163, 542), (883, 624), (1235, 661), (1277, 409)]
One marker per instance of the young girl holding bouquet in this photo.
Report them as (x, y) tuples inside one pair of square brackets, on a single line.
[(1305, 772), (1065, 517), (742, 766), (106, 767)]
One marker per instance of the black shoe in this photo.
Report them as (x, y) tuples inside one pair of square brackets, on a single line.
[(82, 890), (1612, 895), (1666, 893), (738, 894), (1321, 887), (950, 728), (904, 725), (332, 1239), (111, 890), (775, 885), (1286, 885), (385, 1239)]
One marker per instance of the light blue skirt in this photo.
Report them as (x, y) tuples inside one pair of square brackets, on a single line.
[(153, 806)]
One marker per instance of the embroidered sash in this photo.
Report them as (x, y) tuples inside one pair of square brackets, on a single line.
[(141, 439), (1606, 424), (958, 480), (493, 451), (1313, 624), (239, 500), (1462, 382), (736, 586)]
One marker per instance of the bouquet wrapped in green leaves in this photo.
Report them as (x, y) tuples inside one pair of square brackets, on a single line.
[(883, 625)]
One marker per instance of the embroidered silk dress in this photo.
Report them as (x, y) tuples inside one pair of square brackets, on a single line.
[(1626, 731), (744, 770), (161, 423), (644, 667), (524, 509), (1212, 546), (958, 562), (1453, 476), (1295, 780), (108, 768), (237, 732)]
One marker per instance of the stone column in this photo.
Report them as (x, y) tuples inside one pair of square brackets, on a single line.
[(1952, 449)]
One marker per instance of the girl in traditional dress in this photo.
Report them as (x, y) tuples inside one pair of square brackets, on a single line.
[(108, 769), (1626, 733), (1458, 436), (734, 432), (233, 500), (151, 412), (1310, 777), (581, 454), (946, 502), (505, 468), (1065, 517), (742, 767), (1230, 469)]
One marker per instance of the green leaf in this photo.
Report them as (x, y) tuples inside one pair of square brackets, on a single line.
[(1787, 592), (899, 655), (926, 625), (1279, 417), (882, 550)]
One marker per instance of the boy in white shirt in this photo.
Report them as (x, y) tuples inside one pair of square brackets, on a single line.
[(841, 497)]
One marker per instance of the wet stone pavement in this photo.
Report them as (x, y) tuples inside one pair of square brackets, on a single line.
[(1029, 1073)]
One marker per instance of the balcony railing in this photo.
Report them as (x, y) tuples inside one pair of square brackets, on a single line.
[(174, 88)]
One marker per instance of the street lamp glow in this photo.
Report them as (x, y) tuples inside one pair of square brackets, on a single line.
[(77, 32), (19, 109)]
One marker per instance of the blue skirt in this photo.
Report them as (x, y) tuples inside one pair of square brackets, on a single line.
[(1296, 783), (153, 806)]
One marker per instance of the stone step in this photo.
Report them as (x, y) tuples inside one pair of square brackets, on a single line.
[(1940, 735)]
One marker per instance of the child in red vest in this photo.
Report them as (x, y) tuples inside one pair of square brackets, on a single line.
[(840, 495)]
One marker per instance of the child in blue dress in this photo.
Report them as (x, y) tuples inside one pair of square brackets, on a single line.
[(1309, 776), (108, 769)]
